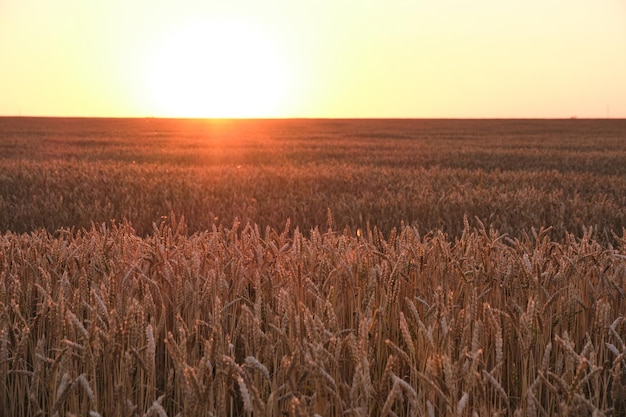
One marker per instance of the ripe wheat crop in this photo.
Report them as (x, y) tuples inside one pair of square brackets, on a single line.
[(243, 322), (512, 175), (481, 273)]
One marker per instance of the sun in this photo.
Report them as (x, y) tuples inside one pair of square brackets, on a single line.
[(216, 69)]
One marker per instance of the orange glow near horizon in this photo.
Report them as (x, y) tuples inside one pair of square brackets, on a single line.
[(243, 58)]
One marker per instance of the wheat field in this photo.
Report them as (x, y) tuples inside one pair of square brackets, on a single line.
[(300, 268)]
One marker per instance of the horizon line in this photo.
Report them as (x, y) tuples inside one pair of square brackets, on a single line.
[(310, 118)]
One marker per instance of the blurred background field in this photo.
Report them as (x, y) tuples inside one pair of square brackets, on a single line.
[(510, 174)]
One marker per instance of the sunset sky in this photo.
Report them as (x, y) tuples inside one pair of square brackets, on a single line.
[(290, 58)]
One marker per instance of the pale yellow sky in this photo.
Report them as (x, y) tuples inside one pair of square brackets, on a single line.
[(286, 58)]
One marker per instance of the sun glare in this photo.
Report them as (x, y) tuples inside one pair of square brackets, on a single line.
[(216, 70)]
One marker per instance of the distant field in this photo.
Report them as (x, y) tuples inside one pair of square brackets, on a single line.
[(312, 267), (511, 174)]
